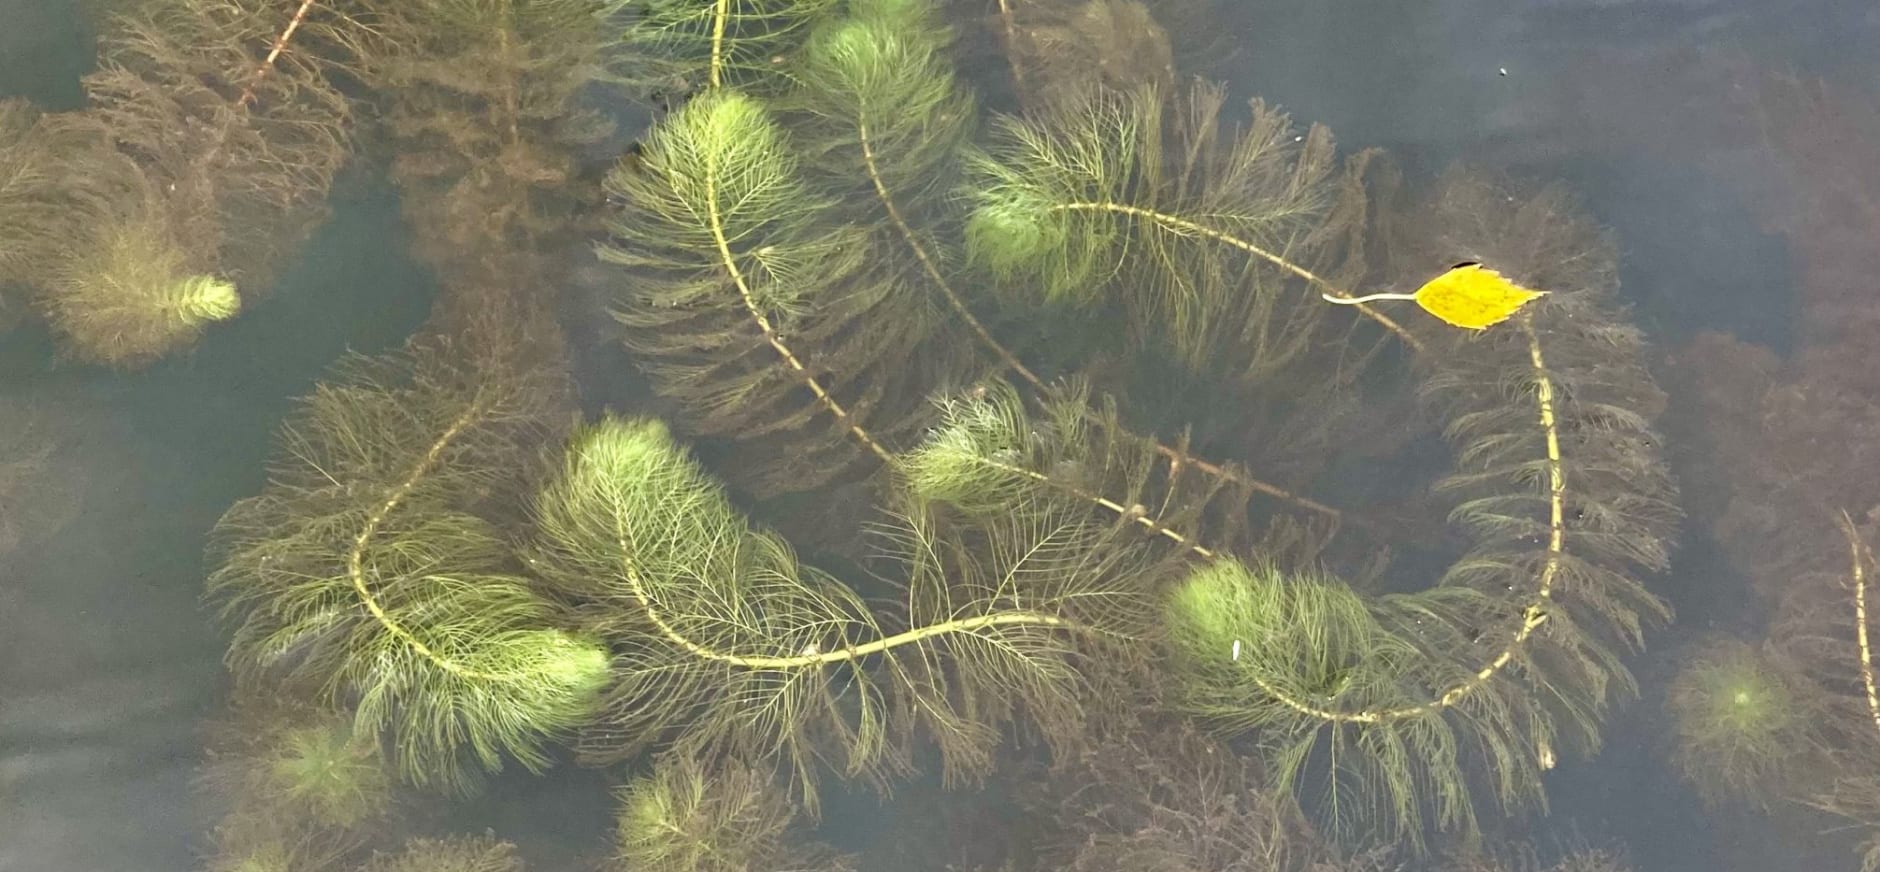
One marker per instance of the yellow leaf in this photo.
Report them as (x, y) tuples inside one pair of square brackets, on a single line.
[(1472, 296)]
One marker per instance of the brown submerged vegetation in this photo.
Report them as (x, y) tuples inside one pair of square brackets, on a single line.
[(1789, 447)]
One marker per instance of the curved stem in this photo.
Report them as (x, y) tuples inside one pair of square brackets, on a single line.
[(355, 556), (1176, 458), (1368, 298), (1533, 616), (623, 547), (926, 260), (730, 263), (1190, 228)]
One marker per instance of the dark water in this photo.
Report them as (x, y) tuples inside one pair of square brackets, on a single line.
[(108, 663)]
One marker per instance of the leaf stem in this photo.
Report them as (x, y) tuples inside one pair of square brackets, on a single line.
[(1368, 298)]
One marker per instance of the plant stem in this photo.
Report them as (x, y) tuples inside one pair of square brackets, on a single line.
[(355, 557), (730, 264), (1532, 617), (1858, 560), (274, 53), (1187, 227), (721, 15), (1176, 458)]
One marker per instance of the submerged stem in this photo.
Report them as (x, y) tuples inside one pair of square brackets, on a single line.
[(274, 53), (1858, 557), (1187, 227), (1533, 615), (355, 556), (729, 261)]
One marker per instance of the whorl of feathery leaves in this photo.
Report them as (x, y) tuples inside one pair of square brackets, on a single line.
[(708, 617), (1198, 227), (756, 303), (63, 181), (1746, 724), (243, 147), (673, 47), (889, 115), (731, 817), (993, 453), (984, 454), (1309, 665), (133, 298), (361, 577), (482, 98), (716, 206)]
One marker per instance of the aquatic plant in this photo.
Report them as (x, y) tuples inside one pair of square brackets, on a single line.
[(481, 103), (64, 179), (362, 576), (133, 299), (297, 788), (1082, 204), (42, 486), (1223, 246), (687, 817), (823, 262), (725, 645), (452, 854), (308, 767), (1155, 794), (239, 136), (206, 151), (1742, 723)]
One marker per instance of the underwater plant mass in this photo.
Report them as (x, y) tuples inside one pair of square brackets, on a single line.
[(1001, 421), (799, 274)]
